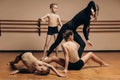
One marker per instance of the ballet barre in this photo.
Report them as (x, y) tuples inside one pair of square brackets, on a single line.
[(36, 26)]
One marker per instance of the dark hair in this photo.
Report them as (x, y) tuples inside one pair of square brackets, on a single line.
[(51, 5), (43, 73), (47, 71), (67, 34)]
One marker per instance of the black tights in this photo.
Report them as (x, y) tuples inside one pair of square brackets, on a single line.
[(80, 41), (77, 38)]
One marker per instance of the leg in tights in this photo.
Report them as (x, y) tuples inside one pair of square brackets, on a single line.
[(56, 43), (58, 39), (80, 41)]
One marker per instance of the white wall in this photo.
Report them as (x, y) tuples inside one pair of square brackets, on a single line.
[(33, 9)]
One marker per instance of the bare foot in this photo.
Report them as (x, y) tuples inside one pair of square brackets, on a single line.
[(42, 58), (104, 65), (9, 63), (14, 72)]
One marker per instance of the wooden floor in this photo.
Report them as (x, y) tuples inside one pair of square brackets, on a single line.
[(91, 71)]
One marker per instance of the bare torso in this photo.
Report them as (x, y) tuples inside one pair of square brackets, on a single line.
[(29, 60), (72, 48), (53, 20)]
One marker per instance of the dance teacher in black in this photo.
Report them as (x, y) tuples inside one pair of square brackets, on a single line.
[(82, 18)]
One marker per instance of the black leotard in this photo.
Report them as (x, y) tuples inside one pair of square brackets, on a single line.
[(82, 18)]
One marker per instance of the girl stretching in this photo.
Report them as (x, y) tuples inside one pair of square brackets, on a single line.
[(82, 18)]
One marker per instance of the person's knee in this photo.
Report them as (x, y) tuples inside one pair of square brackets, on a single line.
[(90, 54), (54, 58)]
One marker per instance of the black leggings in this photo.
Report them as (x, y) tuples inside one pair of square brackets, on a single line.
[(58, 40), (81, 42), (81, 18), (77, 38)]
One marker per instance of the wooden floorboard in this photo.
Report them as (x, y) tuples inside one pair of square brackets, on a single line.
[(91, 71)]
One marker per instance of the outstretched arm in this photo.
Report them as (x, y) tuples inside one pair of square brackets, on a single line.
[(53, 69), (66, 58), (86, 30), (43, 18), (59, 20), (15, 70)]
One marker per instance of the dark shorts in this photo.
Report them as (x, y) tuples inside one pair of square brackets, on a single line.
[(20, 56), (52, 30), (76, 66)]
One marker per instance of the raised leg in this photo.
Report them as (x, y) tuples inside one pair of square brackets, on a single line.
[(55, 44), (96, 59), (80, 41), (55, 59)]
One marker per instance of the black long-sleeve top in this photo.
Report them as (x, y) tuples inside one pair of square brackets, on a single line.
[(83, 18)]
